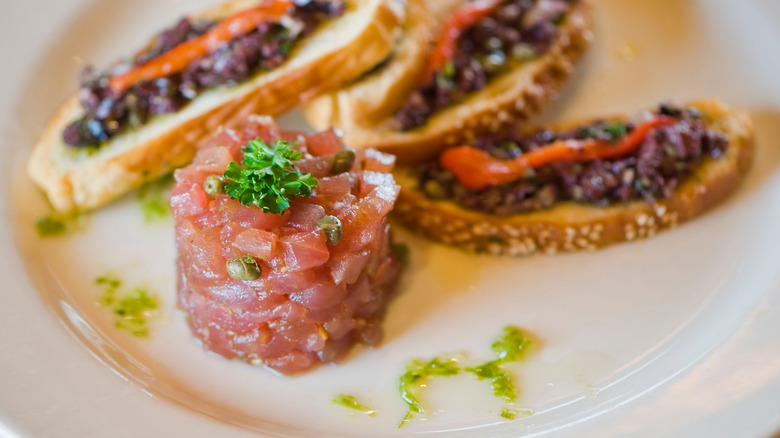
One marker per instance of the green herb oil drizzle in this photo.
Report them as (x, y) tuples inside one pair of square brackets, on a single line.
[(511, 346), (511, 414), (153, 197), (55, 225), (132, 310), (351, 402), (416, 372)]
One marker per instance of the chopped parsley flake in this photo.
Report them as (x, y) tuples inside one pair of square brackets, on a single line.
[(616, 130), (613, 131)]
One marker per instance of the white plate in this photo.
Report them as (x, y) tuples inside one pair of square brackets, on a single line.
[(675, 336)]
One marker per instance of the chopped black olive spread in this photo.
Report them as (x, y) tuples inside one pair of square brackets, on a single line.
[(107, 113), (516, 31), (652, 171)]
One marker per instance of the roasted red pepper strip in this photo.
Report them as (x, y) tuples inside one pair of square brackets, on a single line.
[(476, 169), (463, 18), (185, 53)]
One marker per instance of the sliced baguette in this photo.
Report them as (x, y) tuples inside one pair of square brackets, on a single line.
[(570, 226), (337, 52), (514, 96)]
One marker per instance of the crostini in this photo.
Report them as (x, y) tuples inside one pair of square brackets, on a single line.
[(463, 69), (144, 116), (580, 186)]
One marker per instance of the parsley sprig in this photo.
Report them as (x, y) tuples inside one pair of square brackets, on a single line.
[(267, 177)]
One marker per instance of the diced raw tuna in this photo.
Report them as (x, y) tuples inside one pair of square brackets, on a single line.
[(312, 302), (260, 244), (188, 200), (325, 143), (304, 251)]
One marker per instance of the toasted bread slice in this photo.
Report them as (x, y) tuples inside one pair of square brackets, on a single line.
[(570, 226), (375, 97), (364, 110), (337, 52)]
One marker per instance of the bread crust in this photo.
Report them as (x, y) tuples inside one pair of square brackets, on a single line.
[(576, 227), (513, 97), (336, 53)]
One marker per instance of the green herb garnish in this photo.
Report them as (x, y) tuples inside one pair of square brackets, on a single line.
[(267, 178), (350, 402), (512, 344), (153, 197), (612, 131), (49, 226), (416, 372), (449, 69), (402, 253), (55, 225), (510, 347), (500, 381), (110, 285), (446, 76), (511, 414), (589, 132), (132, 311), (616, 130)]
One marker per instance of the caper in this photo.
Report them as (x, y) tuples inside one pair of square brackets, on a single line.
[(401, 252), (508, 145), (523, 52), (508, 149), (667, 109), (494, 43), (449, 69), (494, 62), (434, 190), (670, 150), (331, 225), (445, 82), (694, 113), (343, 161), (244, 269), (213, 186), (577, 193)]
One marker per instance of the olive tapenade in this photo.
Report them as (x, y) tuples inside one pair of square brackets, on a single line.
[(515, 31), (663, 158), (108, 113)]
